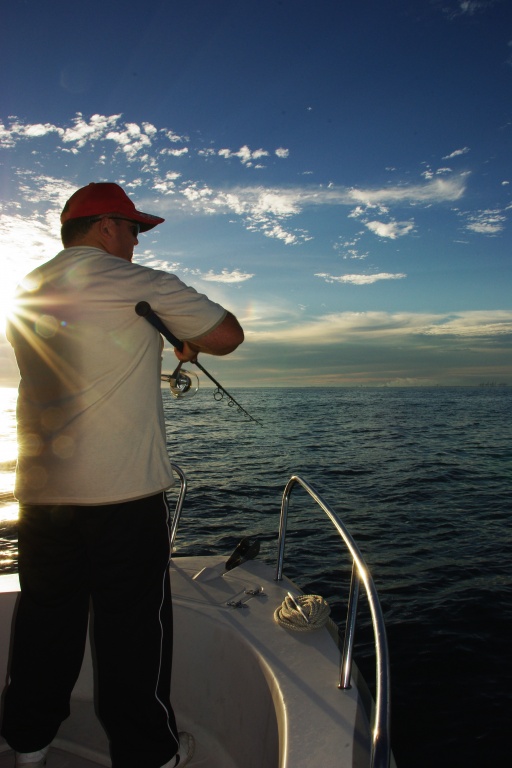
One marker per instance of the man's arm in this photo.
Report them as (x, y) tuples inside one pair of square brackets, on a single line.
[(225, 338)]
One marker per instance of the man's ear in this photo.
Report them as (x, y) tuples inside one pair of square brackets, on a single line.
[(106, 231), (106, 226)]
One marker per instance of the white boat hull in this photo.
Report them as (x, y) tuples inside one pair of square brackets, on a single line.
[(254, 695)]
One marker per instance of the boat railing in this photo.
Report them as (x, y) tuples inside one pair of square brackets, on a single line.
[(179, 503), (381, 744)]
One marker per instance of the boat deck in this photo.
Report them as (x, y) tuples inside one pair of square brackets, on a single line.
[(56, 759), (251, 693), (206, 755)]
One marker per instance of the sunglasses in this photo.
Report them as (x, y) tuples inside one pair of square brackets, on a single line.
[(134, 227)]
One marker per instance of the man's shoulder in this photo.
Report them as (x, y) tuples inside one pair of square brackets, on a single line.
[(74, 253)]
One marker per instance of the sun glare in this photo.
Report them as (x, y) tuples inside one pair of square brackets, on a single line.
[(7, 303), (25, 243)]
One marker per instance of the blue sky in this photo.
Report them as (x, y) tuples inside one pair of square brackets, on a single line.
[(336, 173)]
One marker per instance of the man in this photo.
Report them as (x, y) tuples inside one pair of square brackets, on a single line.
[(91, 475)]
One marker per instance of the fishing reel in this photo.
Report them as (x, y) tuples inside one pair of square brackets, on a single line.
[(182, 383)]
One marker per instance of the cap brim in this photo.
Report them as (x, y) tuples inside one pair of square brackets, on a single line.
[(146, 220)]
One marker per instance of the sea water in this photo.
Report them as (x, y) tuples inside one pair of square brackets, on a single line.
[(422, 479)]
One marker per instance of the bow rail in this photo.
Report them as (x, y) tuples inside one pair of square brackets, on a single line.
[(381, 743)]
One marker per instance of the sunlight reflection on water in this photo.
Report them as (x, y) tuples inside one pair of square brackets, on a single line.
[(8, 511), (8, 453)]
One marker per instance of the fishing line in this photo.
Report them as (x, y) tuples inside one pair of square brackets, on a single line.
[(184, 383)]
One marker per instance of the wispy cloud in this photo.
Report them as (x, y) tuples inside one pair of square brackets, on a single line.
[(267, 209), (467, 7), (148, 259), (435, 191), (225, 276), (388, 327), (350, 253), (152, 153), (130, 138), (488, 222), (360, 279), (457, 153), (479, 324)]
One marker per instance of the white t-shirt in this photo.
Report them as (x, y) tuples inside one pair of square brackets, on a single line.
[(90, 416)]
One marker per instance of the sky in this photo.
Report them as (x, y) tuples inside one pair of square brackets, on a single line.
[(336, 173)]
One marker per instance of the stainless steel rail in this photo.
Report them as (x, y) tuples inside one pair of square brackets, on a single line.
[(381, 744), (179, 503)]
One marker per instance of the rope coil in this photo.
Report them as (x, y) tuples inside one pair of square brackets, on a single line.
[(315, 608)]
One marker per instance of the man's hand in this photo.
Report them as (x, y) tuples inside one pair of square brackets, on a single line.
[(189, 352)]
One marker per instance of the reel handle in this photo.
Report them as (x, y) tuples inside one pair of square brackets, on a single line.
[(182, 383)]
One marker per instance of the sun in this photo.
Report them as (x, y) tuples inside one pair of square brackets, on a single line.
[(25, 244), (9, 280)]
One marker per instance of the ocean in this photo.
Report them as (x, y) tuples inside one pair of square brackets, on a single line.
[(422, 478)]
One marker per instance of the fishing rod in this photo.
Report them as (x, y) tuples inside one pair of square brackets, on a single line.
[(181, 381)]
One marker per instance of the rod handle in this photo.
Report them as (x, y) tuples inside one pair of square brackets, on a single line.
[(143, 309)]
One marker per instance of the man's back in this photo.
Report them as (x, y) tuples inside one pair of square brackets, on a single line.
[(90, 416)]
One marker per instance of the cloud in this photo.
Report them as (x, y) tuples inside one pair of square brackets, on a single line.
[(263, 209), (494, 323), (83, 132), (278, 232), (245, 155), (386, 327), (360, 279), (225, 276), (148, 259), (374, 347), (174, 137), (266, 209), (471, 6), (488, 222), (392, 229), (132, 139), (457, 153), (17, 131), (175, 152), (350, 253), (467, 7), (409, 381), (151, 152), (434, 191), (167, 184)]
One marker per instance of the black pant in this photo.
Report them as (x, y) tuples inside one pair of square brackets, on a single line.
[(116, 556)]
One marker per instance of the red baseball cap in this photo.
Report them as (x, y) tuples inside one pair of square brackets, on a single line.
[(97, 199)]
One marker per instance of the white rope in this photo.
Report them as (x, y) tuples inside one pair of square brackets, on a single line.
[(314, 607)]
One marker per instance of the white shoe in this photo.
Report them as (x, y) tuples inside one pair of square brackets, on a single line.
[(31, 759), (184, 753)]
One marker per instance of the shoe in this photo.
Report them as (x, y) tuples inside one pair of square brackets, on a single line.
[(31, 759), (184, 753)]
